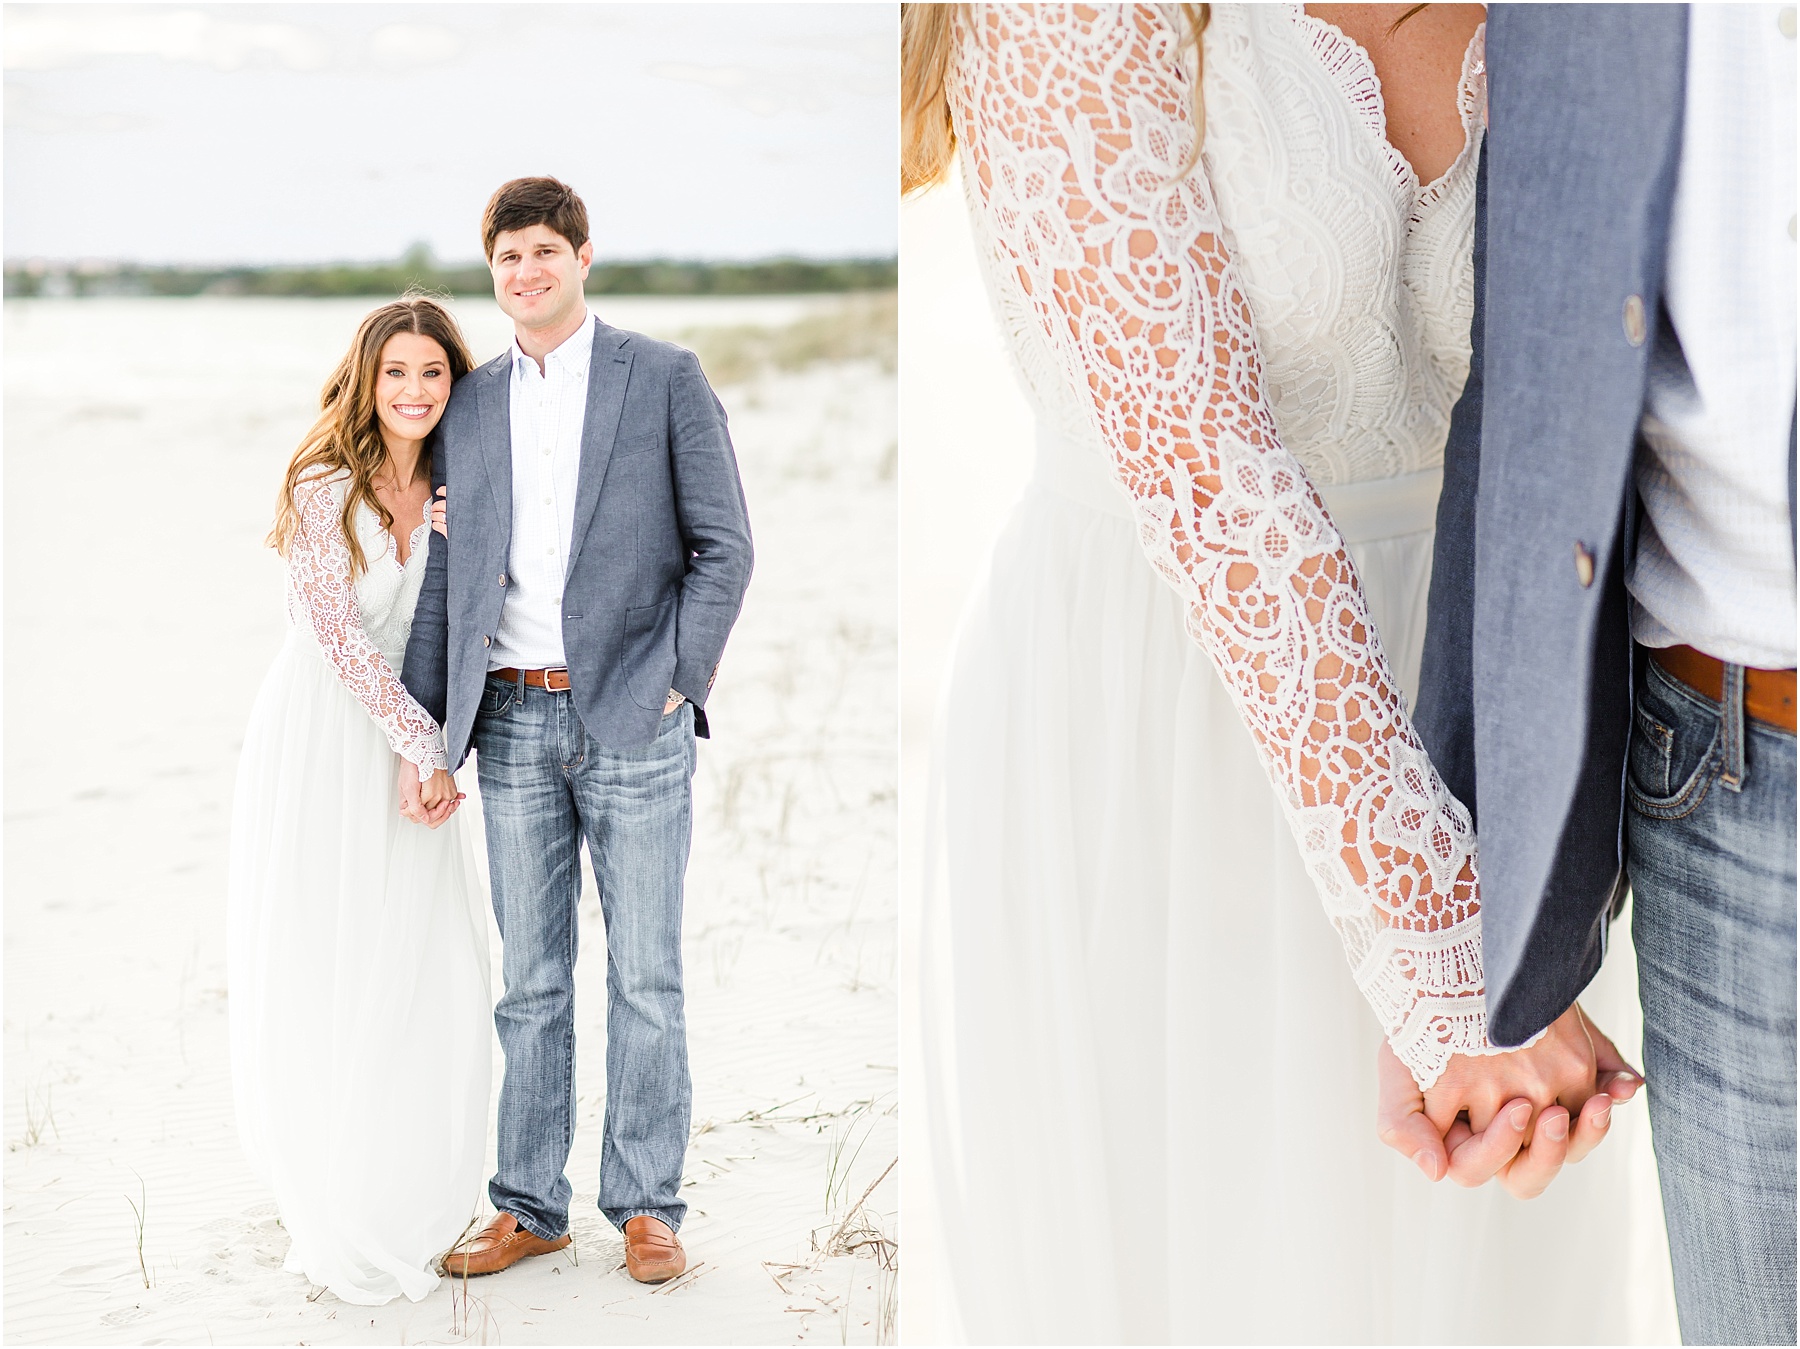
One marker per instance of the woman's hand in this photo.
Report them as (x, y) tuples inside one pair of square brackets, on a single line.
[(1519, 1115), (440, 787), (430, 802), (440, 511)]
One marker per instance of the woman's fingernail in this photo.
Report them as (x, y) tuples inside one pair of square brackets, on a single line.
[(1426, 1163), (1556, 1128), (1519, 1116), (1603, 1114)]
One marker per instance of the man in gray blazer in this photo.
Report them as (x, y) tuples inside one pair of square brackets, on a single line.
[(1608, 677), (598, 552)]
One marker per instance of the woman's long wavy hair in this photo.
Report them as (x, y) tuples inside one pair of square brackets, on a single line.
[(927, 139), (347, 435)]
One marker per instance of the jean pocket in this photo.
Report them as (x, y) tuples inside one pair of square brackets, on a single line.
[(1674, 754), (1648, 759), (495, 699)]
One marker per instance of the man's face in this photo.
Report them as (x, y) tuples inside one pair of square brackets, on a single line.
[(538, 276)]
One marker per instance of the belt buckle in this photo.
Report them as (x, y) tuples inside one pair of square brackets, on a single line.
[(551, 675)]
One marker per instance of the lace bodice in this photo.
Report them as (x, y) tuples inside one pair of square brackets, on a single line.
[(1294, 305), (360, 629)]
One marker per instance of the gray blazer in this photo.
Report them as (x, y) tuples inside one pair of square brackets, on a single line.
[(660, 556), (1525, 697)]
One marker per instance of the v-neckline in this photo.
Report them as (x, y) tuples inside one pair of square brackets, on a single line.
[(1347, 63), (393, 543), (412, 544)]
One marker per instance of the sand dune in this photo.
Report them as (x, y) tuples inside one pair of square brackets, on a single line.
[(144, 439)]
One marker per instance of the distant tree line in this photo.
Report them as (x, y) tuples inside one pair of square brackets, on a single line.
[(776, 276)]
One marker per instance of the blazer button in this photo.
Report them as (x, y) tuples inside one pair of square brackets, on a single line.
[(1634, 320), (487, 641), (1584, 565), (502, 578)]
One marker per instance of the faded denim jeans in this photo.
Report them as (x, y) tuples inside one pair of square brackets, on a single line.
[(545, 786), (1710, 833)]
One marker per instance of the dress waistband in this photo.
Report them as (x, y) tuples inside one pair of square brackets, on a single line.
[(1380, 508)]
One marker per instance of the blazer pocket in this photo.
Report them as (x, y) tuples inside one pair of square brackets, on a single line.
[(624, 449), (648, 656)]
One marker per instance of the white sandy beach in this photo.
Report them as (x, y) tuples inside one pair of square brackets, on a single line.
[(144, 439)]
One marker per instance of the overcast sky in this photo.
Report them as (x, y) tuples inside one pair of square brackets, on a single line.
[(314, 132)]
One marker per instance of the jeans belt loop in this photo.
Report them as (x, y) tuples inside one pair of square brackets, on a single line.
[(519, 673), (1731, 708)]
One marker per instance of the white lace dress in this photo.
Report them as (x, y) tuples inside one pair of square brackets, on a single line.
[(1148, 1070), (360, 1014)]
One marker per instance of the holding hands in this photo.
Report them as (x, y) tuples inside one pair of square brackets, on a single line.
[(1519, 1115), (430, 802)]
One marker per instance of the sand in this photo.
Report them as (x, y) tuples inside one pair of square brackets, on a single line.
[(144, 439)]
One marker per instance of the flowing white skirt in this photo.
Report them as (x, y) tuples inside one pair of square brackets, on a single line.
[(360, 1011), (1149, 1077)]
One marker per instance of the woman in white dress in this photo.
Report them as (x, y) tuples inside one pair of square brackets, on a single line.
[(1150, 1083), (360, 1012)]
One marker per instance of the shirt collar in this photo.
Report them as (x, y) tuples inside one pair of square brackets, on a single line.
[(571, 355)]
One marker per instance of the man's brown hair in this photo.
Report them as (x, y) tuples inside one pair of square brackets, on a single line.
[(525, 202)]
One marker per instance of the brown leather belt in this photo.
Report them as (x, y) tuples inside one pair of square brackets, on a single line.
[(556, 680), (1768, 694)]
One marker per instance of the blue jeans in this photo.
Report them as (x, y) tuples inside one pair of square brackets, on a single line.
[(1710, 838), (545, 785)]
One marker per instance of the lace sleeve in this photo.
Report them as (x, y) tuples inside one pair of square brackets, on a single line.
[(320, 589), (1077, 124)]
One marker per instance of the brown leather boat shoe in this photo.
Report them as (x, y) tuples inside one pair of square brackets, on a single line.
[(652, 1252), (501, 1243)]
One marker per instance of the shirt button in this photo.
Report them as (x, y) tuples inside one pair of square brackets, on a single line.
[(1785, 21), (1634, 320), (1584, 565)]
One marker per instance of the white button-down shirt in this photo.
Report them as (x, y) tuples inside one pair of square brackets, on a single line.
[(549, 408), (1715, 562)]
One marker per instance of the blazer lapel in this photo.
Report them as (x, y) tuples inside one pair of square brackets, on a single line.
[(494, 407), (609, 371)]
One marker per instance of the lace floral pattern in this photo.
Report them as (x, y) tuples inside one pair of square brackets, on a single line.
[(324, 603), (1115, 275)]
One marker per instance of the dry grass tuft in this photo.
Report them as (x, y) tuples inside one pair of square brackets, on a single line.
[(37, 1119), (862, 327), (140, 1208)]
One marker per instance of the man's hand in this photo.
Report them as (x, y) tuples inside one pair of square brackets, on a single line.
[(1477, 1121), (431, 802)]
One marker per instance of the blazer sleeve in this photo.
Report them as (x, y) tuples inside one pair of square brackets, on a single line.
[(1445, 716), (715, 526), (426, 669)]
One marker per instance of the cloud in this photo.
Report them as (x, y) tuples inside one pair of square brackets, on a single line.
[(43, 38), (414, 45), (764, 93)]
